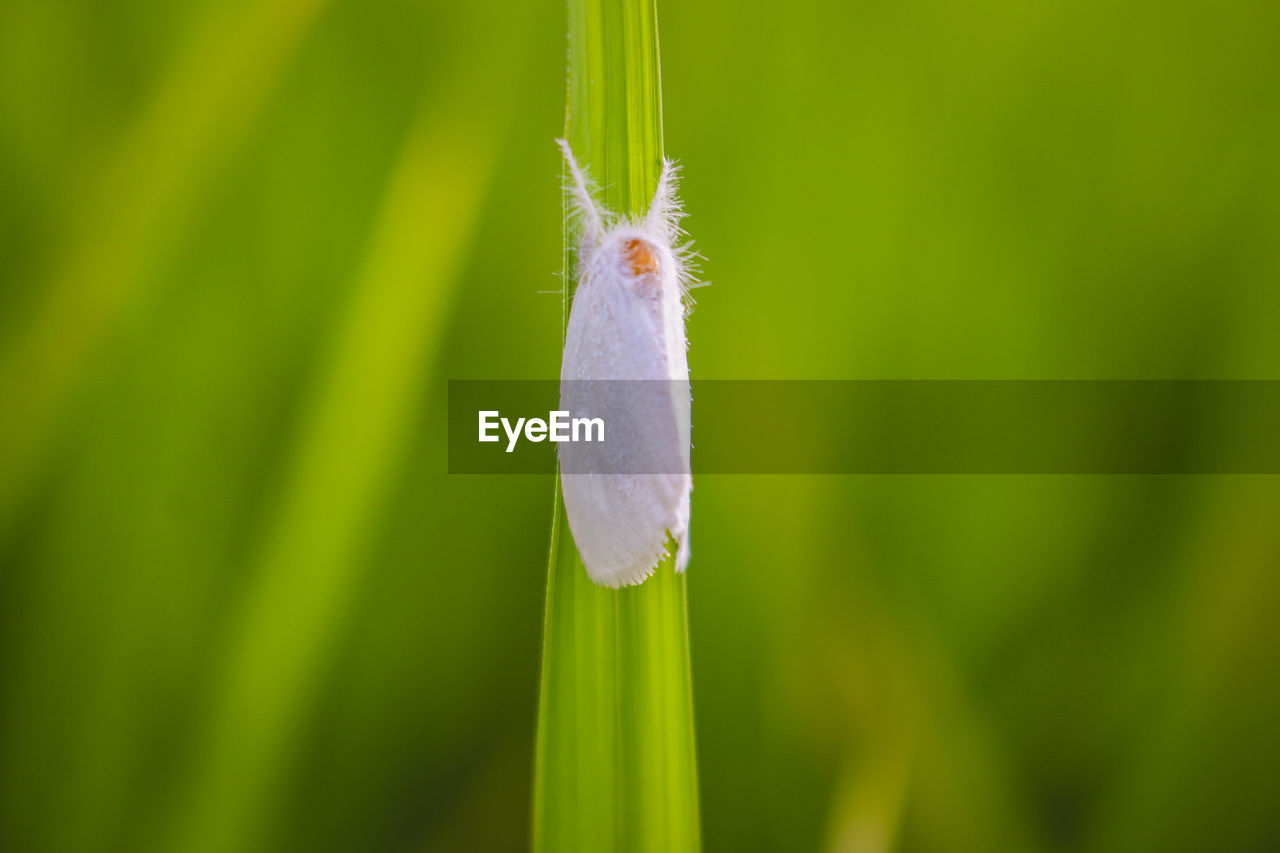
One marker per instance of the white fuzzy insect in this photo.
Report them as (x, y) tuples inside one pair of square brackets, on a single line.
[(627, 323)]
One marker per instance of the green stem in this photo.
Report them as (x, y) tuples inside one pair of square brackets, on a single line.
[(616, 768)]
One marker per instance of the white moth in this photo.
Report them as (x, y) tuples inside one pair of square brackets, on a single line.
[(627, 323)]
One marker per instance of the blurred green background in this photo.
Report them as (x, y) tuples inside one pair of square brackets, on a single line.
[(244, 244)]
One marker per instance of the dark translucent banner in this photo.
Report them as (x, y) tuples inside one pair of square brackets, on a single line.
[(869, 427)]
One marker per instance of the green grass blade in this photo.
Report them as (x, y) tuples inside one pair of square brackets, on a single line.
[(353, 437), (616, 768), (134, 209)]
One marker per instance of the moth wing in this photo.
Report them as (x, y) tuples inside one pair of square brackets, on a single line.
[(625, 496)]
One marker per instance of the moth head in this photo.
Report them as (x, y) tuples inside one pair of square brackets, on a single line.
[(635, 255), (641, 256)]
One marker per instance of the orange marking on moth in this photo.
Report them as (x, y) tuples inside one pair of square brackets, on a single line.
[(641, 256)]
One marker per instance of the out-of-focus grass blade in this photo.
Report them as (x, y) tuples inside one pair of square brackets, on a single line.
[(355, 430), (1227, 634), (132, 211), (616, 768)]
